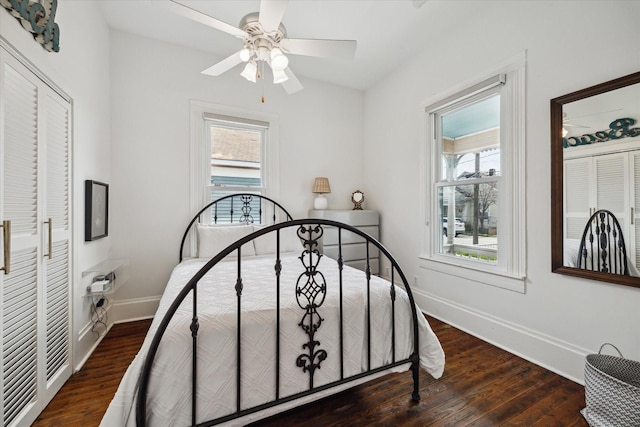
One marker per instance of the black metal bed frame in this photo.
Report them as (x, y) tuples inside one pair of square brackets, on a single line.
[(245, 208), (311, 290), (602, 245)]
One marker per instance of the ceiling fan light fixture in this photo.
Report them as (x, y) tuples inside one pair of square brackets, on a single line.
[(278, 61), (262, 53), (245, 55), (279, 76), (262, 33), (250, 71)]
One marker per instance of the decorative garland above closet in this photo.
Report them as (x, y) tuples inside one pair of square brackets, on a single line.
[(37, 18)]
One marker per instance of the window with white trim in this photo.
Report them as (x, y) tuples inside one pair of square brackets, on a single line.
[(232, 151), (236, 166), (475, 214)]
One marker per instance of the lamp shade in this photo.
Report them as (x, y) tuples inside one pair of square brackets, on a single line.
[(321, 185), (279, 76), (278, 61), (250, 71)]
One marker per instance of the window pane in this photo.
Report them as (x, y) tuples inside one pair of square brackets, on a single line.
[(235, 167), (236, 156), (471, 140), (469, 221)]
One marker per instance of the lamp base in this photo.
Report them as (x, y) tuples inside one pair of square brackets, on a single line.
[(320, 202)]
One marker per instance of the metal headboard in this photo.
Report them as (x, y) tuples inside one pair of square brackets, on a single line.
[(239, 210), (602, 245)]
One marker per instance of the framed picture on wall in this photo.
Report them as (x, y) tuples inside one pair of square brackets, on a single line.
[(96, 210)]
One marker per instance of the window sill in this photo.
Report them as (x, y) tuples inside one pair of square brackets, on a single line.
[(497, 279)]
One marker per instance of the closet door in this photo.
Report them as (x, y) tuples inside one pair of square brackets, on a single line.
[(633, 242), (20, 218), (612, 185), (34, 290), (56, 321)]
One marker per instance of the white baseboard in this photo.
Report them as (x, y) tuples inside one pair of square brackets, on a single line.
[(134, 309), (88, 340), (117, 312), (558, 356)]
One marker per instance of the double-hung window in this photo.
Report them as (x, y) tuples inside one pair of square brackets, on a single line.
[(236, 147), (232, 151), (475, 189)]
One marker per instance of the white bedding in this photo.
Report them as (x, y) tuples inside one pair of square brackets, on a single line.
[(571, 257), (170, 382)]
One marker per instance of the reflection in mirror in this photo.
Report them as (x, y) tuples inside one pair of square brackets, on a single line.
[(595, 137)]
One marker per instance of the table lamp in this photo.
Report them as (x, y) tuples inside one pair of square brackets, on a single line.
[(320, 187)]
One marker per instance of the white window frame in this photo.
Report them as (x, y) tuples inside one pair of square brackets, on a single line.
[(200, 151), (510, 271)]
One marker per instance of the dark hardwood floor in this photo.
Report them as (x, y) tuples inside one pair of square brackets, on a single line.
[(83, 400), (482, 386)]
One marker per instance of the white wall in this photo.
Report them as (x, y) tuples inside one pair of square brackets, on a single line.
[(569, 45), (81, 69), (152, 84)]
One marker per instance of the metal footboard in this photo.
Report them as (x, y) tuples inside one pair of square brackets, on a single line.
[(310, 291)]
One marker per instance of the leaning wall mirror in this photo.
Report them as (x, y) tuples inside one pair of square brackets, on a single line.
[(595, 182)]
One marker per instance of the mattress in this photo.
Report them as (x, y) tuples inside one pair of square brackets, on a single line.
[(169, 400)]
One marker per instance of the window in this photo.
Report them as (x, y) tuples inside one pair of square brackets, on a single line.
[(232, 150), (475, 185), (236, 148), (468, 135)]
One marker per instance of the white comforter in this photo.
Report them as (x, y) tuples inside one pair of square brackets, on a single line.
[(170, 382)]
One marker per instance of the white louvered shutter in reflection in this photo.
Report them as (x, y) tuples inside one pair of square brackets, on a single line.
[(577, 173), (35, 180), (633, 247), (611, 173)]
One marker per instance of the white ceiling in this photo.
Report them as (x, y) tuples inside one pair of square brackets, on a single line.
[(387, 31)]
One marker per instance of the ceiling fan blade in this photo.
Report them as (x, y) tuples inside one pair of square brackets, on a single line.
[(291, 85), (224, 65), (342, 49), (573, 126), (195, 15), (271, 13)]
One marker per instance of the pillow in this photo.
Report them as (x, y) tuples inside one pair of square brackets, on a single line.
[(571, 247), (214, 238), (266, 244)]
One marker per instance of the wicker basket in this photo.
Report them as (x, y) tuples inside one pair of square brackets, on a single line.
[(612, 390)]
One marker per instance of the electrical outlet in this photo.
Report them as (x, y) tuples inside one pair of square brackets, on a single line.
[(387, 272), (415, 280)]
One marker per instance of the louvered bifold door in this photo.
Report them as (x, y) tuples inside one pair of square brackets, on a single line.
[(56, 251), (19, 216), (633, 246), (611, 172), (35, 214), (577, 200)]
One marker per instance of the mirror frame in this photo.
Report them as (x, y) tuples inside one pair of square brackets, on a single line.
[(557, 184)]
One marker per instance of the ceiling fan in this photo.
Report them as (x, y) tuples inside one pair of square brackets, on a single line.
[(568, 122), (265, 42)]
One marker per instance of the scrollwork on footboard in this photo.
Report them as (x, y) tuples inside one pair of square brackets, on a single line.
[(311, 289)]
